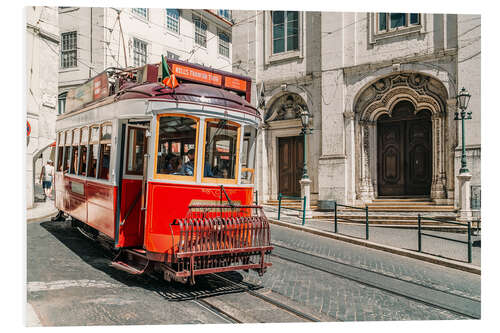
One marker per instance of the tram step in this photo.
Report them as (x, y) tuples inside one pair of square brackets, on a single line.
[(127, 268)]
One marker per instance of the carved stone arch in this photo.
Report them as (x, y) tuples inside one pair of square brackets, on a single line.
[(285, 106), (279, 96), (380, 96)]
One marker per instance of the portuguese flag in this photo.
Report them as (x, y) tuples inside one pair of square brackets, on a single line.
[(167, 79)]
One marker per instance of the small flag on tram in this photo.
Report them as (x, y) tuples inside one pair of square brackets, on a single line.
[(167, 79)]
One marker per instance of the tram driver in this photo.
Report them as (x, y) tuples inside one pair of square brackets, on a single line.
[(188, 168)]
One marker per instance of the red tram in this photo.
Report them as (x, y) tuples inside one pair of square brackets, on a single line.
[(165, 174)]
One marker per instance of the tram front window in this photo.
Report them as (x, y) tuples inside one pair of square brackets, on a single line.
[(221, 149), (176, 146)]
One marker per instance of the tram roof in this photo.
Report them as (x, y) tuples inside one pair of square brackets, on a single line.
[(188, 92)]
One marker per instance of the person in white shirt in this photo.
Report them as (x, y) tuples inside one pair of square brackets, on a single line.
[(46, 177)]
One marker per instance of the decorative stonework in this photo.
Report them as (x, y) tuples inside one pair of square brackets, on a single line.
[(380, 97), (285, 107)]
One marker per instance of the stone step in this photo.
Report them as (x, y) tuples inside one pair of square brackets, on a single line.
[(405, 209), (380, 217)]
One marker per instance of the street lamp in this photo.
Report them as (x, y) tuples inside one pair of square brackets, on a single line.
[(463, 98), (304, 117)]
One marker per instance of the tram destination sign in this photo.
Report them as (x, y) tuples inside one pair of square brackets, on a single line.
[(87, 92), (196, 74)]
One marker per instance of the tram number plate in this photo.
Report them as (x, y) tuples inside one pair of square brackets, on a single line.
[(77, 188)]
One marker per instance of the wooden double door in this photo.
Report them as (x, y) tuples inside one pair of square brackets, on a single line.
[(290, 164), (404, 152)]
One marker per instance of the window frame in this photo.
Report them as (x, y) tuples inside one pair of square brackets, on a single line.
[(138, 12), (196, 31), (101, 152), (75, 142), (69, 65), (285, 32), (80, 155), (161, 176), (375, 34), (145, 147), (388, 28), (170, 18), (219, 33), (136, 55), (237, 158), (91, 142)]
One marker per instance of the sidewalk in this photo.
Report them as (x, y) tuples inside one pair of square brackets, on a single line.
[(41, 211), (401, 241)]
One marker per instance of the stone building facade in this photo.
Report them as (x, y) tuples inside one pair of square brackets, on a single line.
[(94, 39), (42, 58), (381, 88)]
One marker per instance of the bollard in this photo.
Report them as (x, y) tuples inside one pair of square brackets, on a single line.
[(304, 211), (419, 235), (469, 244), (366, 218), (335, 220), (279, 205)]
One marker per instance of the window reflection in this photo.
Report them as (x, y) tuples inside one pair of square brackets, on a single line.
[(176, 146), (220, 150)]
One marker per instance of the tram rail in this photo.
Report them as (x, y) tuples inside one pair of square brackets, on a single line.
[(458, 304)]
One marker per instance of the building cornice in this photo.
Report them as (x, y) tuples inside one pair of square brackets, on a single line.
[(373, 66)]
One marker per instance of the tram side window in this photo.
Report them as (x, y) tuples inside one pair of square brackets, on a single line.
[(67, 151), (248, 155), (93, 151), (176, 146), (221, 149), (60, 149), (135, 151), (105, 156), (74, 153), (82, 162)]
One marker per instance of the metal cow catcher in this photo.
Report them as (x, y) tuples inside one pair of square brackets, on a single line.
[(159, 160)]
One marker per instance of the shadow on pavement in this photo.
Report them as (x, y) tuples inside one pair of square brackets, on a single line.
[(99, 255)]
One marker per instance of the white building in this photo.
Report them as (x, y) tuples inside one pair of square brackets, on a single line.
[(42, 58), (93, 39), (381, 88)]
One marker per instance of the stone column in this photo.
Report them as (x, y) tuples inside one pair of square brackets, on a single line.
[(464, 196), (305, 190), (366, 187), (438, 173)]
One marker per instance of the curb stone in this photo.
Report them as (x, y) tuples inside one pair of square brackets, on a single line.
[(394, 250)]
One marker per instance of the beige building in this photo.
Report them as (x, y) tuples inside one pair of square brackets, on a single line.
[(42, 58), (381, 88), (93, 39)]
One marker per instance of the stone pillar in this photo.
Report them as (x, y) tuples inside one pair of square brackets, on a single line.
[(305, 190), (464, 196), (366, 188)]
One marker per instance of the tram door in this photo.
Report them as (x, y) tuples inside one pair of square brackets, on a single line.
[(133, 187)]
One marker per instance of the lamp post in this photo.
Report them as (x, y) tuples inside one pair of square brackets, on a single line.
[(464, 175), (305, 182), (304, 117), (463, 98)]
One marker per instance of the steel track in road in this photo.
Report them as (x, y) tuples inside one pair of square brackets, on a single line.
[(217, 311), (440, 299), (271, 301)]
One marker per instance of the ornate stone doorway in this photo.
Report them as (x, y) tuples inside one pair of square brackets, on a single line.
[(401, 137), (404, 152)]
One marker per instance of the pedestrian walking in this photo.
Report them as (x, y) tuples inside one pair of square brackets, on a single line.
[(46, 177)]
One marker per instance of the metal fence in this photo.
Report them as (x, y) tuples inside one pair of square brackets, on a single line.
[(336, 219), (468, 242), (303, 210)]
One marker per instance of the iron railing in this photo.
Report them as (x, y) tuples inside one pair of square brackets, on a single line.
[(468, 242), (336, 218), (303, 210)]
